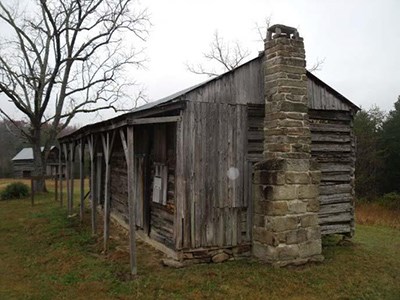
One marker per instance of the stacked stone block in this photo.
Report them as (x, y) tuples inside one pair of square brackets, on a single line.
[(286, 183)]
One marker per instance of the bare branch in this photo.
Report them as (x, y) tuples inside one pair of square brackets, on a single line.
[(68, 57), (317, 66), (228, 55)]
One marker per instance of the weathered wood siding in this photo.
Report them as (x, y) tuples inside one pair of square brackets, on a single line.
[(151, 147), (243, 86), (320, 98), (333, 146), (119, 184), (212, 208), (164, 153)]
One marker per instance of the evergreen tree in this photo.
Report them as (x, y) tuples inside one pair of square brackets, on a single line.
[(369, 154), (391, 144)]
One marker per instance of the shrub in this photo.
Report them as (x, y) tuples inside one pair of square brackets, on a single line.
[(390, 201), (15, 190)]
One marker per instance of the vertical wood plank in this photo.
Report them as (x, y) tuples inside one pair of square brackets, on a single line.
[(82, 178), (188, 175), (107, 149), (131, 198), (67, 173), (60, 169), (71, 177), (129, 150), (249, 231), (180, 184), (93, 183)]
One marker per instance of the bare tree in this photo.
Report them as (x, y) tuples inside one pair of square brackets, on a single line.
[(228, 55), (224, 56), (65, 57)]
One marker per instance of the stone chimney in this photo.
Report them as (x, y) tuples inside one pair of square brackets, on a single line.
[(286, 182)]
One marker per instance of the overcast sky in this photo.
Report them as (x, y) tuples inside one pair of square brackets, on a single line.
[(359, 41)]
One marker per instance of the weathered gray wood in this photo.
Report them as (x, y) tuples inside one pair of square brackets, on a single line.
[(71, 177), (61, 175), (330, 138), (67, 174), (82, 178), (249, 228), (334, 208), (330, 148), (155, 120), (335, 198), (331, 217), (335, 188), (108, 143), (327, 229), (129, 149), (180, 186), (93, 183)]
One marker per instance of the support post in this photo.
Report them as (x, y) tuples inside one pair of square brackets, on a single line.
[(82, 178), (129, 149), (60, 173), (55, 187), (32, 191), (72, 160), (93, 184), (107, 149), (67, 172)]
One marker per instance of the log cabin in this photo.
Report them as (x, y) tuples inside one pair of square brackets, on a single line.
[(257, 161)]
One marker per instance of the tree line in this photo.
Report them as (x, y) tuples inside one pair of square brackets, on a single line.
[(377, 152), (12, 141)]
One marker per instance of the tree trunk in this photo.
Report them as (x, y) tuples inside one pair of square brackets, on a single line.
[(39, 165)]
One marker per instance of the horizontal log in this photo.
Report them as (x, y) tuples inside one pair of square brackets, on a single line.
[(335, 198), (332, 167), (331, 138), (330, 115), (340, 177), (327, 127), (335, 208), (331, 148), (257, 135), (335, 229), (335, 188), (335, 218)]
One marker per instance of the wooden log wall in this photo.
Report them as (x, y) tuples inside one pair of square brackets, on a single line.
[(212, 208), (151, 147), (119, 184), (333, 146), (163, 153)]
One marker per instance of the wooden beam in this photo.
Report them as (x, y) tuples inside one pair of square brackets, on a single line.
[(67, 172), (121, 121), (82, 178), (107, 149), (60, 173), (129, 149), (91, 144), (71, 168), (155, 120)]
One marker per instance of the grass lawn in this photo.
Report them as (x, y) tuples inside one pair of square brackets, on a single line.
[(45, 255)]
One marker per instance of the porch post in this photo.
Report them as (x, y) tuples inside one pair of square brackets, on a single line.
[(67, 173), (82, 178), (71, 161), (107, 148), (93, 183), (129, 149)]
